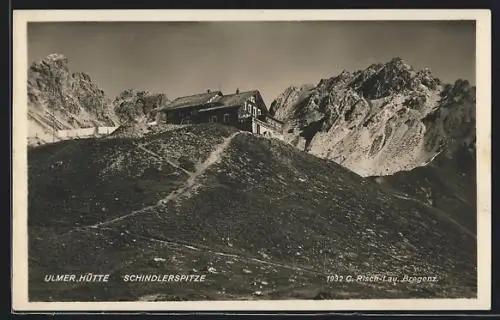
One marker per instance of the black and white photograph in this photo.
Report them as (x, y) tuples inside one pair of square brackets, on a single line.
[(267, 159)]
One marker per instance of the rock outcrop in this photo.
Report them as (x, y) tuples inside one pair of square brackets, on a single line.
[(381, 120), (133, 105), (60, 100)]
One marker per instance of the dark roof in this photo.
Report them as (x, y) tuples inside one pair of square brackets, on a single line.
[(237, 98), (193, 100), (214, 97)]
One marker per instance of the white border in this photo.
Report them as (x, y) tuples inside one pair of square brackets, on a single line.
[(19, 217)]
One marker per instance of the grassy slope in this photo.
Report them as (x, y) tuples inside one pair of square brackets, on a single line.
[(452, 188), (286, 217)]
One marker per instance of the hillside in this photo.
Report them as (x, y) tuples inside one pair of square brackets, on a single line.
[(261, 219), (61, 100), (448, 185), (381, 120)]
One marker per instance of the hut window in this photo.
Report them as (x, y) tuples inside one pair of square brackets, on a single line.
[(226, 117), (213, 119)]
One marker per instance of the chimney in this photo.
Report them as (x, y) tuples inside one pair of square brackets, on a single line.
[(237, 90), (208, 90)]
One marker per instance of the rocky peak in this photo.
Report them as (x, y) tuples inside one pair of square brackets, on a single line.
[(398, 63), (54, 59), (286, 97), (459, 92), (462, 86), (425, 77), (345, 74), (82, 76), (52, 69), (382, 80), (372, 69), (132, 105), (72, 98), (385, 118), (127, 93), (54, 65)]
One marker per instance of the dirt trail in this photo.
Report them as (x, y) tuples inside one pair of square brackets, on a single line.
[(140, 146), (190, 184), (393, 192), (199, 248), (439, 213), (229, 255)]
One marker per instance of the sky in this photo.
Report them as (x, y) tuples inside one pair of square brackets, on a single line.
[(183, 58)]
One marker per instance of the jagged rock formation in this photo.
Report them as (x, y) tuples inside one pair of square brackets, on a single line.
[(133, 105), (381, 120), (61, 100)]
